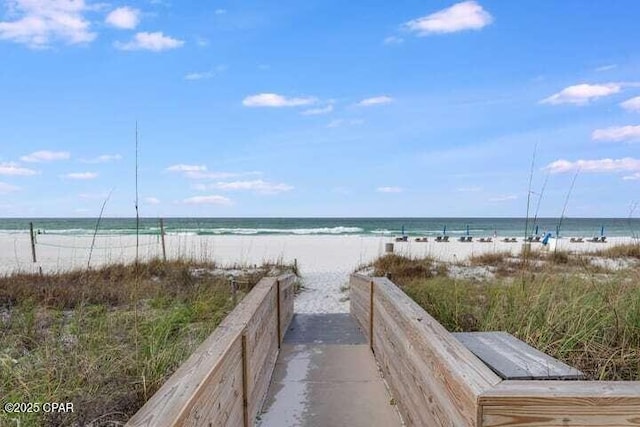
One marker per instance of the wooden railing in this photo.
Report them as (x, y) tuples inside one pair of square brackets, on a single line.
[(435, 380), (224, 382)]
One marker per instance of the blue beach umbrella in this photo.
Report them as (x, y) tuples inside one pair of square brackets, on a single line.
[(444, 230), (467, 229), (536, 229), (601, 230), (403, 229), (557, 231)]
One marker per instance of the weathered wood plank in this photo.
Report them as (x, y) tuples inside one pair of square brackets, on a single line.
[(262, 343), (434, 378), (287, 295), (585, 393), (220, 397), (562, 403), (561, 416), (407, 385), (207, 389), (513, 359), (359, 288)]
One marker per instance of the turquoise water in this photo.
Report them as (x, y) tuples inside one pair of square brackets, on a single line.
[(326, 226)]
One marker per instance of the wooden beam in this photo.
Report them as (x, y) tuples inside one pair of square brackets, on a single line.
[(245, 381), (371, 285), (224, 381), (278, 312), (33, 242)]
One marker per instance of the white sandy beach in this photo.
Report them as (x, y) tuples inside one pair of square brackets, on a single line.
[(314, 254), (325, 262)]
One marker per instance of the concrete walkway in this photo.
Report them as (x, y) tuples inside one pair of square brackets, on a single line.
[(326, 375)]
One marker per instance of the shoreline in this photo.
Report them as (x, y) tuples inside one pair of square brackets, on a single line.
[(314, 253)]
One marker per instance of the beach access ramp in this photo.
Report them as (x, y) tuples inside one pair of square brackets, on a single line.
[(264, 366)]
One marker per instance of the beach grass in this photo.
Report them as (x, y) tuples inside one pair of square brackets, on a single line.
[(106, 339), (587, 317)]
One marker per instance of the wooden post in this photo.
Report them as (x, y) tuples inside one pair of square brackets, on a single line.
[(234, 290), (245, 381), (164, 250), (33, 241), (278, 311), (371, 315)]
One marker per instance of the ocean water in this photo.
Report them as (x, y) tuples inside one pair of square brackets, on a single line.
[(586, 227)]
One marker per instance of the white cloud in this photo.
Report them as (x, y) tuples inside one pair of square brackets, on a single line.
[(376, 100), (632, 104), (389, 189), (84, 176), (104, 158), (155, 42), (186, 168), (7, 188), (258, 186), (626, 164), (582, 94), (13, 169), (342, 122), (125, 17), (275, 100), (504, 198), (467, 15), (208, 200), (606, 67), (151, 201), (39, 23), (318, 111), (620, 133), (216, 175), (632, 177), (45, 156), (201, 172), (392, 40), (199, 75)]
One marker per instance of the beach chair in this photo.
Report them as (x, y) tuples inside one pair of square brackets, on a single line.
[(489, 240), (513, 240), (445, 238), (572, 240), (462, 239), (579, 240), (438, 238), (603, 239), (482, 240), (536, 239), (506, 240), (469, 238)]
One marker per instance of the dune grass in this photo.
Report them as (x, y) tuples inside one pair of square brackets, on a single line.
[(585, 318), (631, 250), (105, 339)]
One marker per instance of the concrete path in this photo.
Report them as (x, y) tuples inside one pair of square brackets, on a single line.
[(326, 375)]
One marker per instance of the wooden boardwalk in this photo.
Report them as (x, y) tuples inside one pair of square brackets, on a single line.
[(326, 375), (263, 366)]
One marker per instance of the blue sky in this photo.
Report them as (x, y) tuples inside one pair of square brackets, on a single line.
[(319, 107)]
